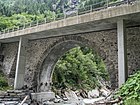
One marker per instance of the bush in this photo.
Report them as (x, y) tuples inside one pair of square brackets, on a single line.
[(130, 91), (3, 82), (79, 68), (132, 102)]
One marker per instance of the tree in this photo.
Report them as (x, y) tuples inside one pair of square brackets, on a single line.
[(79, 68)]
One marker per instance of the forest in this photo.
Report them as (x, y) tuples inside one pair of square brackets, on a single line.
[(15, 13)]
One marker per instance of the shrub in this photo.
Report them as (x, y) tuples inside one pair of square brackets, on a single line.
[(79, 68), (3, 82), (130, 91), (132, 102)]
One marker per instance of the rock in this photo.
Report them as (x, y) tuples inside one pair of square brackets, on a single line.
[(71, 95), (83, 94), (57, 97), (57, 101), (92, 101), (105, 92), (93, 94), (65, 99), (48, 103), (2, 93)]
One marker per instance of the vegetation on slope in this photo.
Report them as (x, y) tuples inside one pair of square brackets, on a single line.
[(14, 13), (3, 82), (130, 91), (79, 68)]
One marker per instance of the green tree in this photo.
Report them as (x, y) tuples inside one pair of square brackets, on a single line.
[(79, 68)]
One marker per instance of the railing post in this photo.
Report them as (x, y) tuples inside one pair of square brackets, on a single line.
[(107, 3), (45, 20), (37, 23), (127, 1), (90, 8), (64, 15), (13, 29), (5, 30), (30, 24), (54, 17), (77, 16), (24, 26), (77, 12)]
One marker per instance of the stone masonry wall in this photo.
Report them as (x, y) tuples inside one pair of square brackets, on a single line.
[(104, 43)]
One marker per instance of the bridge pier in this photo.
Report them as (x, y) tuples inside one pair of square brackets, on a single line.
[(20, 66), (122, 52)]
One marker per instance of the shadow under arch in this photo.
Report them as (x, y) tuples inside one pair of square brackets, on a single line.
[(43, 74)]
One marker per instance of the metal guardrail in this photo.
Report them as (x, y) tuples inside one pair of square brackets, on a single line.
[(79, 11)]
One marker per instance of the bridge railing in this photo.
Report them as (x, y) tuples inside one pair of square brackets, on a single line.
[(78, 11)]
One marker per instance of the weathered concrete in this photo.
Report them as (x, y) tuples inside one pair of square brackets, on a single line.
[(43, 96), (122, 52), (20, 66)]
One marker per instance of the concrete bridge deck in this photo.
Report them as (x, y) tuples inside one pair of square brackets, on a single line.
[(94, 21)]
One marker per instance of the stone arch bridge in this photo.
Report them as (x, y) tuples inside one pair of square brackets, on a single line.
[(28, 56)]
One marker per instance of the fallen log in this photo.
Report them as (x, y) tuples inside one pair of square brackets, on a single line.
[(24, 100)]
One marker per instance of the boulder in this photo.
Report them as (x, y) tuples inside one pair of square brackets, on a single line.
[(92, 101), (105, 92), (71, 95), (93, 93)]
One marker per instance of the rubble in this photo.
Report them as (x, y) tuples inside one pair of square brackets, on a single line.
[(93, 93), (102, 96), (92, 101)]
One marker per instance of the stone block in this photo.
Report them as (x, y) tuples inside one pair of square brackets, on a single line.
[(43, 96)]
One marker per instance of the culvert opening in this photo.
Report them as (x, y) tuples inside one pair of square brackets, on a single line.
[(80, 70)]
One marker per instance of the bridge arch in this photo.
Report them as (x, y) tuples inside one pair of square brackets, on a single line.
[(45, 67)]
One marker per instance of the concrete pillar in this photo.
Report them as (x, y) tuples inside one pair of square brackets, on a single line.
[(20, 66), (122, 52)]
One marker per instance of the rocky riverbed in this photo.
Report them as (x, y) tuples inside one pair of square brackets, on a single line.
[(101, 96)]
